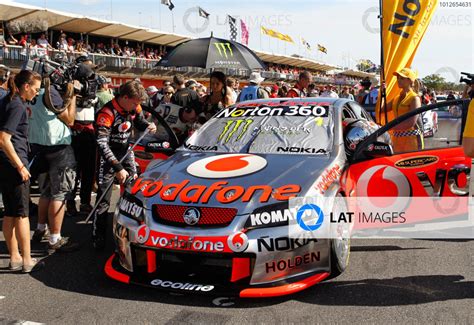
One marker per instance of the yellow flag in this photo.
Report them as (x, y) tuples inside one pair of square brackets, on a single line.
[(404, 25), (275, 34)]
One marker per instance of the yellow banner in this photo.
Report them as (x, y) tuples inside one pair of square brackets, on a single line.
[(275, 34), (404, 25)]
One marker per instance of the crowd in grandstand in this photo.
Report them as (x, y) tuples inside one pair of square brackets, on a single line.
[(37, 46)]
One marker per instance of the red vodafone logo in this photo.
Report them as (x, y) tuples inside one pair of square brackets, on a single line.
[(226, 166), (238, 242), (383, 180), (383, 187), (143, 232), (124, 127)]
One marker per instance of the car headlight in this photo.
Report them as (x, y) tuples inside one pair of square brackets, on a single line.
[(131, 207), (272, 215)]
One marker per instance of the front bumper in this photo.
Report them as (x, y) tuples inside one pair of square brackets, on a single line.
[(166, 280)]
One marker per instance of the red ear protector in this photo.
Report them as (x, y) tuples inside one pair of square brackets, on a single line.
[(4, 77)]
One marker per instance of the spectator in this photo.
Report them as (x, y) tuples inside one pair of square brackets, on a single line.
[(104, 93), (4, 75), (373, 95), (62, 44), (312, 91), (329, 92), (166, 83), (14, 178), (191, 84), (363, 96), (299, 89), (202, 91), (43, 42), (231, 84), (112, 142), (168, 94), (11, 40), (451, 96), (253, 90), (155, 97), (274, 91), (346, 94), (219, 97), (183, 96), (283, 91)]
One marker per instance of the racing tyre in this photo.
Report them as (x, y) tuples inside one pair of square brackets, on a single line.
[(340, 247)]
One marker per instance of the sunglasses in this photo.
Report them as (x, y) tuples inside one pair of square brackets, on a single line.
[(168, 93)]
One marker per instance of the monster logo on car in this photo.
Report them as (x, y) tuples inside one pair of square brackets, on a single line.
[(232, 127)]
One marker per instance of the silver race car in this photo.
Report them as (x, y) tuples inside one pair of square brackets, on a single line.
[(213, 218)]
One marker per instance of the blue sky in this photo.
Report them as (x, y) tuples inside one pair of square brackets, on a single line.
[(343, 27)]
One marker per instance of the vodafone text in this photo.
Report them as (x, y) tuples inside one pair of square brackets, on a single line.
[(222, 193)]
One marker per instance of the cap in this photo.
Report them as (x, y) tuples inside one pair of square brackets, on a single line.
[(151, 90), (256, 78), (406, 73), (191, 83)]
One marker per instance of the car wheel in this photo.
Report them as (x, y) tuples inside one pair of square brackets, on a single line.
[(340, 247)]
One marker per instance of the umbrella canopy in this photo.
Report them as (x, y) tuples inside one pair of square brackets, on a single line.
[(212, 53)]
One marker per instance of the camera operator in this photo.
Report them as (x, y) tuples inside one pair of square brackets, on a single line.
[(54, 161), (83, 139), (114, 124)]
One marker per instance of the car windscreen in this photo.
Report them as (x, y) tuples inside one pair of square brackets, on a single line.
[(267, 130)]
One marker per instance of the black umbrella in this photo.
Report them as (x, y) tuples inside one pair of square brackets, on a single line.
[(212, 53)]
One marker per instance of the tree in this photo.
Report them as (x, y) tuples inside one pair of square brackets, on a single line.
[(434, 81)]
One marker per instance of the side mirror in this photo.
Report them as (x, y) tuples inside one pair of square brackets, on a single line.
[(378, 149)]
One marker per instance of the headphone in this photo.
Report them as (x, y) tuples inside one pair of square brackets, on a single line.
[(4, 77)]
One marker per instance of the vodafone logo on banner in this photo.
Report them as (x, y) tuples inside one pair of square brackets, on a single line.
[(227, 166)]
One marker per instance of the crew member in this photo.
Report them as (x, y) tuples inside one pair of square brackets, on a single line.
[(114, 124), (299, 89)]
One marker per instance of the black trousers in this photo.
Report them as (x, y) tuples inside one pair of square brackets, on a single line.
[(106, 176), (85, 150)]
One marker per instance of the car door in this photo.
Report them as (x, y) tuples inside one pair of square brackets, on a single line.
[(440, 169)]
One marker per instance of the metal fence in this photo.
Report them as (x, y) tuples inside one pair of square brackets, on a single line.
[(16, 56)]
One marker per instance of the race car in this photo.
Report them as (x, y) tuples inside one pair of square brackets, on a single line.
[(214, 217)]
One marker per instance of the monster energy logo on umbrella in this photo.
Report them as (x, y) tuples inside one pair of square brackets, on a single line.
[(234, 126), (222, 48)]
